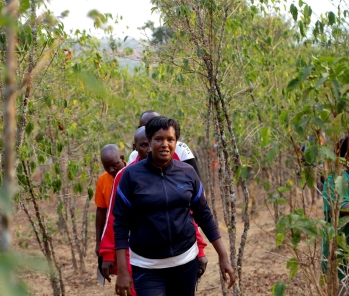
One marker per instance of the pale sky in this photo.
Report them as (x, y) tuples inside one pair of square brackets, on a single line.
[(136, 12)]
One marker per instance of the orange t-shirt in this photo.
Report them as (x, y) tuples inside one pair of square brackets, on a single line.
[(103, 190)]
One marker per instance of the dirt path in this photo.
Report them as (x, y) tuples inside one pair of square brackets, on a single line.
[(263, 265)]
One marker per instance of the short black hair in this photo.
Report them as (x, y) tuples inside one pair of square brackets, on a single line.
[(161, 122), (343, 147)]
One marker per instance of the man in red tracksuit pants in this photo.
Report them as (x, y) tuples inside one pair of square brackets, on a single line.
[(107, 246)]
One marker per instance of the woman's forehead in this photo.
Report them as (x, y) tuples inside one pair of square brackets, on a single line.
[(166, 131)]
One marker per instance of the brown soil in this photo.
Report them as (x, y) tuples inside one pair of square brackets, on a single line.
[(263, 264)]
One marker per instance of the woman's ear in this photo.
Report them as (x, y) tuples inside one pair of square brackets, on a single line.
[(123, 159)]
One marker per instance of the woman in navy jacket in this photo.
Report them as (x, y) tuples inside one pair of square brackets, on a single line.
[(152, 217)]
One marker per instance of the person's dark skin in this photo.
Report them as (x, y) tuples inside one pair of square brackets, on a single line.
[(163, 145), (112, 161), (142, 122), (346, 210), (142, 146), (146, 117)]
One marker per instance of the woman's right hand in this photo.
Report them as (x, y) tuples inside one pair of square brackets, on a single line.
[(226, 268), (123, 284), (224, 263)]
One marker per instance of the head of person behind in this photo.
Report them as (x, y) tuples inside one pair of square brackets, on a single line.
[(146, 116), (141, 143), (162, 133), (112, 159)]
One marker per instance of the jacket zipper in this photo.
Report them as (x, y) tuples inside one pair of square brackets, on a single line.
[(168, 218)]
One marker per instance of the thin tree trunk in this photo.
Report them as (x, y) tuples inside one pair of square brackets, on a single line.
[(29, 78), (223, 191), (24, 206), (57, 284), (75, 233), (84, 231), (9, 113), (64, 226), (238, 164)]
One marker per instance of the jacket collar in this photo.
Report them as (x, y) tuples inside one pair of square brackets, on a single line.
[(149, 164)]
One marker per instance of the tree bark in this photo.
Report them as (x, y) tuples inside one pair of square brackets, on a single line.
[(9, 113), (29, 79)]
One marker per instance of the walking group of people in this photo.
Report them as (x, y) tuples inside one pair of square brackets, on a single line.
[(148, 213)]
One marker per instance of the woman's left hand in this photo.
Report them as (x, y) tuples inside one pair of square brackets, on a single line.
[(226, 268), (123, 283)]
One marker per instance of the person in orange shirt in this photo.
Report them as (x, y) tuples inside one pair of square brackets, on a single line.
[(113, 161)]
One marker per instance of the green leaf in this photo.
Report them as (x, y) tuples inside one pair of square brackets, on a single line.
[(237, 175), (77, 188), (343, 221), (279, 239), (60, 207), (29, 128), (293, 84), (279, 289), (265, 136), (337, 124), (341, 186), (198, 52), (344, 89), (90, 192), (48, 178), (283, 189), (32, 166), (272, 153), (306, 72), (325, 115), (331, 18), (241, 173), (320, 81), (292, 265), (41, 159), (327, 153), (304, 121), (24, 5), (310, 230), (294, 12), (296, 237), (57, 168), (301, 28), (342, 241), (57, 185), (60, 147), (336, 88), (311, 153), (322, 280), (244, 173), (330, 232), (284, 119), (309, 176), (318, 122)]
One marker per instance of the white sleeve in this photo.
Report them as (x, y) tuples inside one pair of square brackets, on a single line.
[(183, 151), (132, 156)]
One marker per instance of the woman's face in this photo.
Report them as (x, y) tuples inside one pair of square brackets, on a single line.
[(163, 145)]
